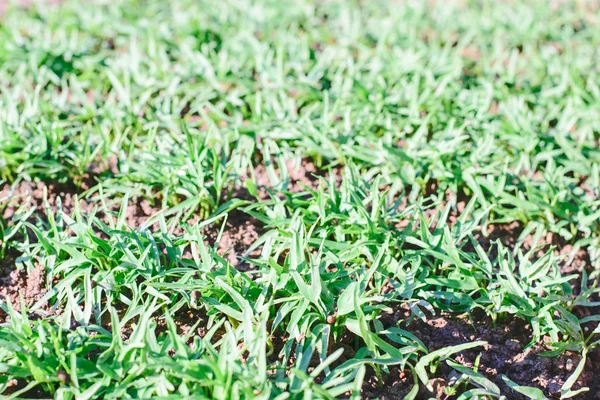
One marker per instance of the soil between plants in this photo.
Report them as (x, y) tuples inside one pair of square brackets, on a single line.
[(504, 354)]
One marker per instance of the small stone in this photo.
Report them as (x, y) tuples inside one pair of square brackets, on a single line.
[(63, 376), (569, 365)]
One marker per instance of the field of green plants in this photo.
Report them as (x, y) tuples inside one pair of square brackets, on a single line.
[(300, 199)]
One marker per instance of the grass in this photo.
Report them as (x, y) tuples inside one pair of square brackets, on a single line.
[(428, 127)]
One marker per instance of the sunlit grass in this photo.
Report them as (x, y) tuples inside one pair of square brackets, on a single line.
[(443, 121)]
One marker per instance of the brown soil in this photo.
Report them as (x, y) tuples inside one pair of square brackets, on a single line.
[(240, 232), (303, 175), (32, 194), (19, 284), (14, 280), (503, 355)]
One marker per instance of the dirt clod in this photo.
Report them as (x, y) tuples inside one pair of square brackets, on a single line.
[(19, 284)]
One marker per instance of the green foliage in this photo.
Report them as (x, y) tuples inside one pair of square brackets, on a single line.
[(428, 126)]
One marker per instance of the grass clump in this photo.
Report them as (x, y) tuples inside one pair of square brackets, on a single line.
[(313, 199)]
